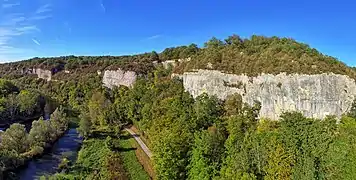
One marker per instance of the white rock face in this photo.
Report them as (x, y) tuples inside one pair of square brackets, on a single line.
[(118, 78), (314, 95), (43, 74)]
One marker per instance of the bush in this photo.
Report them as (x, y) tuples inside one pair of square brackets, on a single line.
[(109, 143), (36, 150)]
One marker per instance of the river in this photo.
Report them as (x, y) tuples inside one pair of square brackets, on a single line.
[(67, 146)]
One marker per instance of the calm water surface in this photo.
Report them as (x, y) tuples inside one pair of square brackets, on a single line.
[(48, 163)]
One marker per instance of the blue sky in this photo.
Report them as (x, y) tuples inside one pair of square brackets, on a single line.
[(30, 28)]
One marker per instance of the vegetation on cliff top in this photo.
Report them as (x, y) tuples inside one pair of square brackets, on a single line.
[(258, 54), (261, 54)]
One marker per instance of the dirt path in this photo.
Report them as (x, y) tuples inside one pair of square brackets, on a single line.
[(140, 142)]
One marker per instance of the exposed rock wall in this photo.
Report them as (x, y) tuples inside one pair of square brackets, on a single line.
[(313, 95), (43, 74), (174, 63), (118, 78)]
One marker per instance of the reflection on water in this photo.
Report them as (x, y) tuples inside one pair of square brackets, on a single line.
[(48, 163)]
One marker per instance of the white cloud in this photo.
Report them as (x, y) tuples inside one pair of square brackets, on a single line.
[(28, 29), (67, 26), (10, 5), (39, 17), (36, 42), (14, 26), (102, 6), (154, 37), (43, 9)]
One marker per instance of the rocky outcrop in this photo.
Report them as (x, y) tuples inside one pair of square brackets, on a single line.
[(119, 78), (41, 73), (314, 95), (174, 63)]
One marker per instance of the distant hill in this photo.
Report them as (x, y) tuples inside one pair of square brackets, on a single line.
[(252, 56)]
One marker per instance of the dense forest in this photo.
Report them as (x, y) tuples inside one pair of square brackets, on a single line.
[(201, 138)]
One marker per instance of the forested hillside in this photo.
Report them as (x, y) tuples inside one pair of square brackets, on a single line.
[(201, 138), (253, 56)]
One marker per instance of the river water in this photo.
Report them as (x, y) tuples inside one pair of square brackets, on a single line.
[(66, 146)]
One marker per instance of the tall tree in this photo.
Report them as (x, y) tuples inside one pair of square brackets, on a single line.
[(15, 138), (207, 154), (41, 133), (233, 104), (97, 105), (85, 124), (207, 109), (59, 120), (28, 101)]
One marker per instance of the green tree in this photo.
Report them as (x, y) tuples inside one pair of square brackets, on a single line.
[(233, 104), (307, 141), (97, 105), (15, 138), (352, 112), (234, 40), (189, 51), (12, 105), (85, 124), (28, 101), (340, 159), (241, 140), (207, 154), (41, 133), (59, 120), (154, 56), (207, 110), (170, 153), (7, 87)]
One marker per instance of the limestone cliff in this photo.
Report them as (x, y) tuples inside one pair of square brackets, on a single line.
[(313, 95), (118, 78), (43, 74)]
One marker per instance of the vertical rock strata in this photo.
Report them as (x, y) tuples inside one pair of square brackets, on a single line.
[(314, 95), (119, 78)]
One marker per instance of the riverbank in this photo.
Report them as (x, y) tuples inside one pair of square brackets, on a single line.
[(20, 146), (66, 146)]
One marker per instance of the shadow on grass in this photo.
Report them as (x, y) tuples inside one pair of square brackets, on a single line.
[(125, 149), (102, 135), (125, 137)]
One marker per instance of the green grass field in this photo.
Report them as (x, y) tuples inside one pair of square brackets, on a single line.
[(131, 164)]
